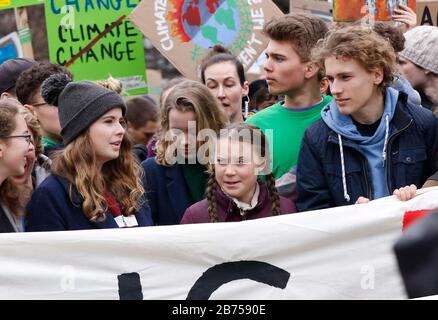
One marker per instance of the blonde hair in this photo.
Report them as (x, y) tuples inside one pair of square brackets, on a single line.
[(120, 177), (189, 96), (111, 84)]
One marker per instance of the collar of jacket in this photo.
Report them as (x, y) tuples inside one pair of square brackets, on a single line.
[(401, 120), (230, 206)]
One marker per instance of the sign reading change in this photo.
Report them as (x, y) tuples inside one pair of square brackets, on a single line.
[(84, 35), (184, 30)]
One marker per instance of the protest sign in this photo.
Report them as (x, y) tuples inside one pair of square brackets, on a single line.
[(427, 12), (7, 4), (184, 30), (115, 45), (10, 47), (337, 253), (378, 10)]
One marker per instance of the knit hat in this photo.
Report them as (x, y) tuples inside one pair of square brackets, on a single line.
[(80, 103), (11, 69), (421, 47)]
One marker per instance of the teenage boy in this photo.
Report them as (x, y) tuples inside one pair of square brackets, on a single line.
[(370, 140), (290, 72)]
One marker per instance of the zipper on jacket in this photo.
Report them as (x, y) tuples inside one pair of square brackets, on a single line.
[(242, 214), (365, 169), (388, 155)]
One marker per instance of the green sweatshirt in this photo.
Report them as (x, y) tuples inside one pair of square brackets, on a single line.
[(288, 127)]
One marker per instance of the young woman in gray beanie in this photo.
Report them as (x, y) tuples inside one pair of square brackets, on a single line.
[(95, 181)]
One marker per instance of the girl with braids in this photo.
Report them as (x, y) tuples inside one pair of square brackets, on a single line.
[(234, 193), (15, 144), (176, 178), (95, 181)]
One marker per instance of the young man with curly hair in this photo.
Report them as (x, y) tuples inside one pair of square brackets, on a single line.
[(370, 139)]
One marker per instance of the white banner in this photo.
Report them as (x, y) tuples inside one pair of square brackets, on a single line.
[(339, 253)]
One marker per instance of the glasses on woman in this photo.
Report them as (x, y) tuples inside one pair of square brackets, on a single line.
[(28, 137)]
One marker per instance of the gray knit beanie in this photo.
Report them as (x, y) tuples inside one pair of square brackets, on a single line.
[(79, 104), (421, 47)]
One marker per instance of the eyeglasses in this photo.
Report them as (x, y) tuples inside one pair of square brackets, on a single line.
[(28, 137), (39, 104)]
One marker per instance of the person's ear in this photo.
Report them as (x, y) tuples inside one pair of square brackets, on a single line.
[(378, 76), (2, 147), (311, 69), (5, 95), (245, 89), (260, 167), (31, 108)]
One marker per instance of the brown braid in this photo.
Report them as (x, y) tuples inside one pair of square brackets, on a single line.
[(274, 194), (211, 197)]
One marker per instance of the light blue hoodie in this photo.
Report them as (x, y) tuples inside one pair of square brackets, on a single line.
[(373, 148)]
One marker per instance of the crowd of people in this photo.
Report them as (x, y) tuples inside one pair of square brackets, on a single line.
[(345, 114)]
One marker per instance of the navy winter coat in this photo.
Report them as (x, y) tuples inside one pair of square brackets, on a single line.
[(51, 209), (166, 192), (410, 159)]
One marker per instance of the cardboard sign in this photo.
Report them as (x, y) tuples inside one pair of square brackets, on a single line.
[(377, 10), (10, 47), (116, 49), (7, 4), (427, 12), (322, 9), (184, 30)]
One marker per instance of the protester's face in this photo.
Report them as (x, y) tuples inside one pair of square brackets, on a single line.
[(283, 67), (47, 116), (351, 85), (236, 168), (106, 135), (415, 75), (223, 82), (30, 162), (13, 150), (182, 128), (143, 134)]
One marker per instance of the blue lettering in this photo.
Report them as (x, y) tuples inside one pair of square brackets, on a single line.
[(118, 4), (101, 3), (52, 6), (89, 3), (130, 5), (72, 2)]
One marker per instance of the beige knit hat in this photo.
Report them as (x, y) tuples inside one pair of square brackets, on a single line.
[(421, 47)]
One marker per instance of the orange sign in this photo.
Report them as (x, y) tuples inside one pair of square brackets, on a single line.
[(378, 10)]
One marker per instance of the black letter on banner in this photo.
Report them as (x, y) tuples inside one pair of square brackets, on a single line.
[(130, 286), (226, 272), (427, 17)]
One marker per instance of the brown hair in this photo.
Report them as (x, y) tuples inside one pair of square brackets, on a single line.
[(15, 196), (9, 194), (362, 44), (120, 177), (255, 137), (31, 79), (141, 110), (301, 30), (219, 54), (9, 108), (189, 96), (392, 34)]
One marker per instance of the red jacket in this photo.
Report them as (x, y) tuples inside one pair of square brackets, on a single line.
[(228, 211)]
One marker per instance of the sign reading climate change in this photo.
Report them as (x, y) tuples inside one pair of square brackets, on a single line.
[(73, 24), (184, 30)]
